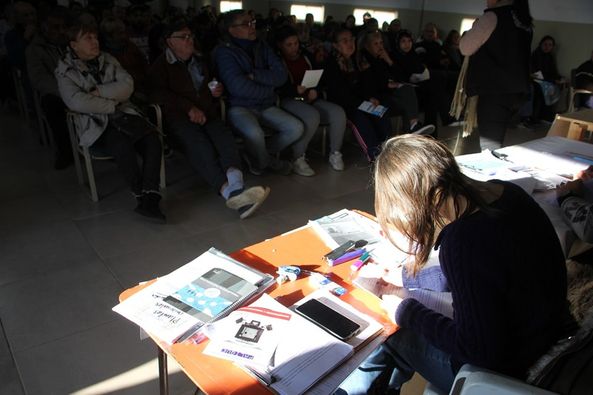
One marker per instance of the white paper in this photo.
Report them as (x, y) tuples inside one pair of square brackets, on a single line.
[(150, 309), (311, 78), (308, 354), (249, 334)]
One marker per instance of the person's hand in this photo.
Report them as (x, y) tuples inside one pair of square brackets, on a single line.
[(394, 276), (584, 175), (95, 92), (311, 95), (250, 76), (29, 32), (575, 187), (390, 303), (385, 57), (301, 90), (374, 101), (393, 84), (218, 91), (196, 116)]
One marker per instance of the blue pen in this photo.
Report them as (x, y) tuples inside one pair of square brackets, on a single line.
[(347, 257)]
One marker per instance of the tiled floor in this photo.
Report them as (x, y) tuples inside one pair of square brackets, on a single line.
[(65, 259)]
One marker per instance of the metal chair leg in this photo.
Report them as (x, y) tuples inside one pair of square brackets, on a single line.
[(163, 372)]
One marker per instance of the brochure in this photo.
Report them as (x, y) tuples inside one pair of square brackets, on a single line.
[(250, 334), (369, 107), (203, 290)]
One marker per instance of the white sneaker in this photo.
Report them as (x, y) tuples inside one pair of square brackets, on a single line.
[(335, 161), (302, 168)]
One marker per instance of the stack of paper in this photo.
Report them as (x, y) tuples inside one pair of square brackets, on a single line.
[(205, 289)]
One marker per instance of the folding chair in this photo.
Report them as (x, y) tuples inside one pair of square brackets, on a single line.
[(45, 132), (574, 91), (89, 154), (365, 149)]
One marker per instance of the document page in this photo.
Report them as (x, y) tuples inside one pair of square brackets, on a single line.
[(311, 78)]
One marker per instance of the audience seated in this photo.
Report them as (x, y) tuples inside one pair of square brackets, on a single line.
[(577, 210), (584, 80), (431, 88), (94, 85), (42, 56), (24, 20), (430, 48), (343, 80), (139, 24), (115, 41), (382, 79), (548, 81), (251, 72), (393, 30), (180, 85), (307, 104), (451, 49)]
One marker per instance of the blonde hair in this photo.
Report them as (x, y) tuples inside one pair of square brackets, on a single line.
[(415, 179)]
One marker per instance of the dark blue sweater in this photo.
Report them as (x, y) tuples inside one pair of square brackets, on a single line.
[(507, 276)]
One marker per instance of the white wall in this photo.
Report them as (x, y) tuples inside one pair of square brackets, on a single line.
[(575, 11)]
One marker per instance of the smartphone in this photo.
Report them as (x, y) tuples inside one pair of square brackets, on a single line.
[(329, 319)]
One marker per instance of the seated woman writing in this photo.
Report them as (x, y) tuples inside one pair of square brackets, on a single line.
[(93, 84), (501, 258)]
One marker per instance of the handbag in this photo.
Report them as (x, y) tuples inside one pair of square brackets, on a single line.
[(133, 126)]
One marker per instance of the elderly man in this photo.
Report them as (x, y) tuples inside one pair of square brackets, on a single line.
[(180, 84), (251, 72)]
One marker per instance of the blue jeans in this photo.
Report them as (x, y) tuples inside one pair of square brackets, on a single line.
[(320, 111), (247, 122), (395, 361)]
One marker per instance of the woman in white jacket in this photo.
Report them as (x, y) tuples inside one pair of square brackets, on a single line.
[(94, 85)]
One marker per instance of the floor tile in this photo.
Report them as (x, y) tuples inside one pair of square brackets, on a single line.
[(10, 382), (92, 357), (124, 231), (50, 306)]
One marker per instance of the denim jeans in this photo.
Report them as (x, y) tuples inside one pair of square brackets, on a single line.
[(320, 111), (248, 122), (395, 361)]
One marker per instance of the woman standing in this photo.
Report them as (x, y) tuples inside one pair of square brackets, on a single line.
[(498, 72), (501, 259)]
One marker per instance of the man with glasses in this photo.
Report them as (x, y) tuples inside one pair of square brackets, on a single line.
[(251, 72), (180, 84)]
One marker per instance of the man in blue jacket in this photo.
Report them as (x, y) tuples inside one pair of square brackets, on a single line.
[(250, 72)]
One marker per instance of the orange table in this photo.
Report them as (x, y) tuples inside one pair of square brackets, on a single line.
[(301, 247)]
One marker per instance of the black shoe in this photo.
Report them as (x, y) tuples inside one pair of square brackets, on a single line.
[(148, 206)]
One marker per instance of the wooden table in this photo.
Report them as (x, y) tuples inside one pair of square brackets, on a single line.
[(300, 247)]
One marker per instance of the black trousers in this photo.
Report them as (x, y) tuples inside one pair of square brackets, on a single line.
[(495, 113), (54, 110), (210, 148), (124, 151)]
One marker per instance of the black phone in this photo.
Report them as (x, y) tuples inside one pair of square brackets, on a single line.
[(329, 319)]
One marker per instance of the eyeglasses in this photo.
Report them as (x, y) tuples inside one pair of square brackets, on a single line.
[(185, 37), (251, 23)]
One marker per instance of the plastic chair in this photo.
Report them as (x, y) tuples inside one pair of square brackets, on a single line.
[(89, 154), (574, 91), (471, 380)]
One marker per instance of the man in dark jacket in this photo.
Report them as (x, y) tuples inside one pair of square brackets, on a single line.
[(42, 55), (251, 71), (180, 84)]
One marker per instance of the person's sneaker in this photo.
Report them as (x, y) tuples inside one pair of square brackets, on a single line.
[(302, 168), (335, 161), (247, 201), (148, 206), (279, 166), (422, 130)]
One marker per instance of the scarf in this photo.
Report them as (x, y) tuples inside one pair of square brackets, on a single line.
[(461, 102)]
